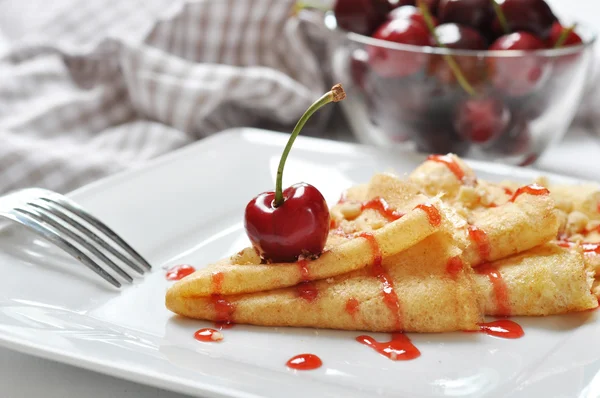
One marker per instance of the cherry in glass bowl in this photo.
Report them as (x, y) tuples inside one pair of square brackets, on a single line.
[(524, 98)]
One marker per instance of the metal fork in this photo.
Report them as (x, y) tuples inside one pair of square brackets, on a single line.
[(58, 219)]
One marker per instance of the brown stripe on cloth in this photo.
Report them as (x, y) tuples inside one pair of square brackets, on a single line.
[(205, 11), (224, 34), (198, 102), (262, 39), (240, 56)]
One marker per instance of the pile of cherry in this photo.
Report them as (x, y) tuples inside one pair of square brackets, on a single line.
[(491, 101)]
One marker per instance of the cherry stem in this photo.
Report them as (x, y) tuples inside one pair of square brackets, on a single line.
[(564, 35), (501, 16), (464, 83), (335, 95), (302, 5)]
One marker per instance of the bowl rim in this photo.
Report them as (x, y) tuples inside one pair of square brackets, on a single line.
[(589, 41)]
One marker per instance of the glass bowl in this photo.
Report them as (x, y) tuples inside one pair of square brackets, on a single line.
[(514, 105)]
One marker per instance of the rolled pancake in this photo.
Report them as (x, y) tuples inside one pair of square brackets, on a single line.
[(509, 229), (546, 280), (584, 198), (245, 273), (434, 177), (494, 232), (434, 295)]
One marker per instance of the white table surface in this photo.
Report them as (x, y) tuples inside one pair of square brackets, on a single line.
[(23, 376)]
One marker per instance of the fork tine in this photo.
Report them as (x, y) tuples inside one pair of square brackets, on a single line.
[(66, 232), (78, 211), (31, 221), (57, 211)]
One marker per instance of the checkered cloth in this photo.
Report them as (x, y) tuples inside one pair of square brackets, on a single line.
[(107, 85)]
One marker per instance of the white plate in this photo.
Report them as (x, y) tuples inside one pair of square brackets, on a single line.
[(187, 207)]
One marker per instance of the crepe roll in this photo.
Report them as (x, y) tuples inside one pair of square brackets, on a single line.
[(423, 289), (512, 228), (546, 280), (245, 273)]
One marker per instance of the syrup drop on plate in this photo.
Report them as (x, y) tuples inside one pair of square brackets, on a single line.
[(304, 362), (503, 328), (400, 348), (178, 272), (208, 335)]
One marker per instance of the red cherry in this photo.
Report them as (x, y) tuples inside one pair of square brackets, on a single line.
[(473, 13), (431, 4), (299, 226), (411, 13), (399, 63), (481, 120), (456, 36), (521, 74), (284, 224), (534, 16), (361, 16), (572, 39)]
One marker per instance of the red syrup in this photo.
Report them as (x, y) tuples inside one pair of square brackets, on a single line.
[(390, 298), (435, 218), (380, 205), (208, 335), (532, 189), (499, 287), (178, 272), (503, 328), (399, 348), (352, 306), (450, 163), (304, 362), (480, 238)]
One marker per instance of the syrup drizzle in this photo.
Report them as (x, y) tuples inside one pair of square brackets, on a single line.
[(500, 289), (454, 266), (223, 309), (307, 290), (532, 189), (178, 272), (208, 335), (435, 218), (450, 163), (503, 328), (480, 238), (304, 272), (217, 282), (591, 247), (352, 306), (508, 191), (587, 247), (224, 325), (304, 362), (380, 205), (390, 298), (399, 348)]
